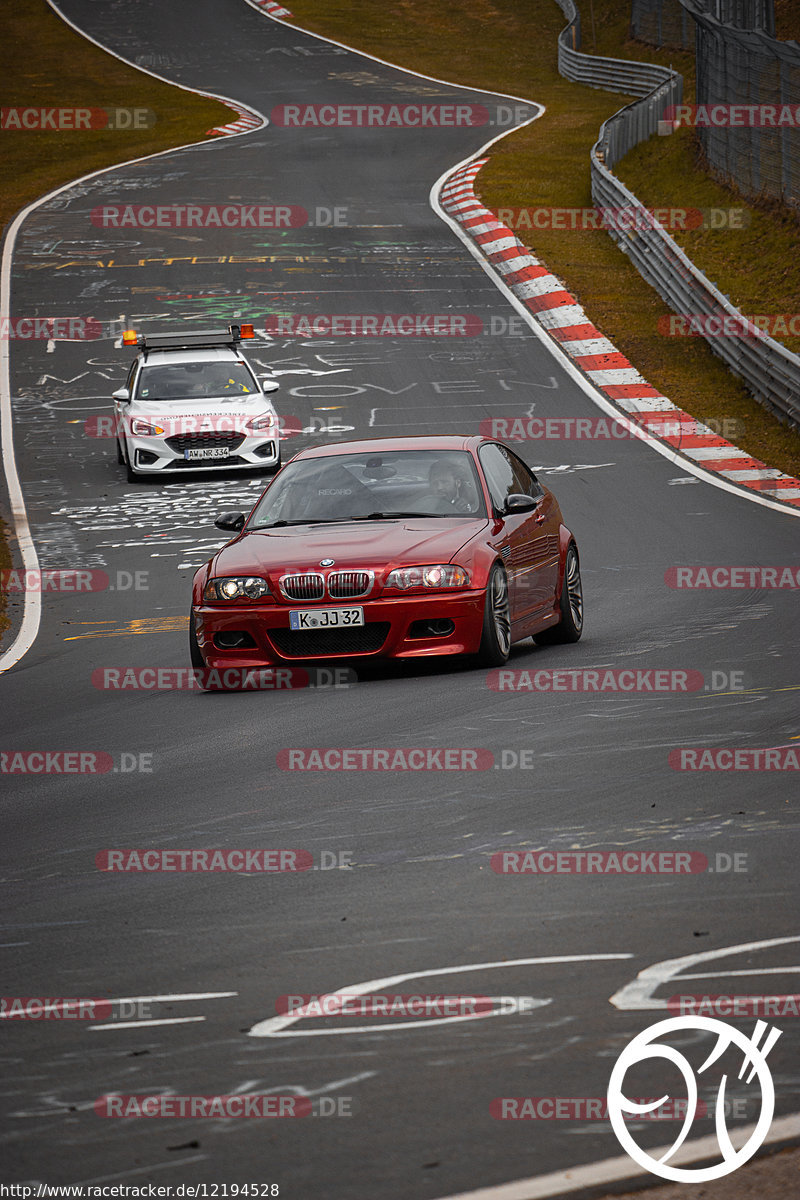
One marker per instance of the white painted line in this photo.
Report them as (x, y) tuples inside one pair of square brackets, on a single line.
[(512, 265), (612, 1170), (770, 473), (275, 1027), (136, 1024), (565, 314), (143, 1000), (619, 376), (648, 404), (638, 994), (32, 603), (538, 287), (498, 244), (716, 452), (586, 346), (575, 315), (175, 1162), (469, 168), (171, 996)]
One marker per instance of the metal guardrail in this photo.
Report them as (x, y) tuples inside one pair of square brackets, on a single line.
[(770, 371)]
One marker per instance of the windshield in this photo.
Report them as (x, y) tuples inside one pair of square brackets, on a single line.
[(193, 381), (402, 483)]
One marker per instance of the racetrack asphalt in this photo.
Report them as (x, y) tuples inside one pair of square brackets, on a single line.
[(419, 895)]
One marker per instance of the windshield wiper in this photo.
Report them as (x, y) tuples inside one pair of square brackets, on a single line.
[(389, 516), (315, 521)]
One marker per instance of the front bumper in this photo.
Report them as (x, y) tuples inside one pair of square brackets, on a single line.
[(152, 456), (393, 628)]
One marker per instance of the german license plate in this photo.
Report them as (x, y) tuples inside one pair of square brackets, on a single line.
[(207, 452), (325, 618)]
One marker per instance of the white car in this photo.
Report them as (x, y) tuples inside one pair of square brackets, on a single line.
[(193, 402)]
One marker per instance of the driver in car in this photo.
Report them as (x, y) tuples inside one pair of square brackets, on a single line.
[(449, 491)]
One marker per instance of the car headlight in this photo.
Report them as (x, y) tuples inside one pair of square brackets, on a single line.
[(442, 575), (239, 587), (144, 428), (261, 424)]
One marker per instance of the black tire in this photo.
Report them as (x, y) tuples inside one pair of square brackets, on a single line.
[(120, 455), (496, 637), (570, 627), (198, 662), (129, 471)]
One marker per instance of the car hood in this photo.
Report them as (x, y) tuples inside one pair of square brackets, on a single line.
[(218, 406), (368, 545)]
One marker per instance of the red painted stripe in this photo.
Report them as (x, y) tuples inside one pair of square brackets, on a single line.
[(575, 333), (632, 391), (602, 362), (550, 300), (479, 219), (734, 464), (504, 255), (492, 235), (662, 418), (525, 274)]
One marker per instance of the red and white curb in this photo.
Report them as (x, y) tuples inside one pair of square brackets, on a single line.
[(247, 120), (559, 314), (274, 10)]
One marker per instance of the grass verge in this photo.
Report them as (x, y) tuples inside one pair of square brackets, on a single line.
[(494, 44), (45, 64)]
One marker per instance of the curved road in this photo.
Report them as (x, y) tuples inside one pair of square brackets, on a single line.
[(419, 894)]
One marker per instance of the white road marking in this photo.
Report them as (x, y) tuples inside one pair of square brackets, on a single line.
[(32, 605), (175, 1162), (135, 1024), (639, 994), (275, 1026)]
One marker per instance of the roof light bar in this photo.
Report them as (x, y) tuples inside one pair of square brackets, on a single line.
[(188, 338)]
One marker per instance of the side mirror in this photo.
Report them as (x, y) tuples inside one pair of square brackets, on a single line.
[(121, 394), (231, 522), (268, 384), (519, 503)]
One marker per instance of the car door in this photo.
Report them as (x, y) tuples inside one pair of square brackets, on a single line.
[(528, 543)]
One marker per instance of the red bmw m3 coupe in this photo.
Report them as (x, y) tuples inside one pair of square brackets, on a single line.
[(400, 547)]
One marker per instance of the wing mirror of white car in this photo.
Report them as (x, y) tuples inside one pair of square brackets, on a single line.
[(232, 522), (268, 384), (517, 502), (121, 394)]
